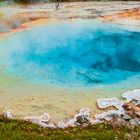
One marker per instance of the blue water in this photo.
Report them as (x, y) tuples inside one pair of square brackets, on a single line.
[(73, 54)]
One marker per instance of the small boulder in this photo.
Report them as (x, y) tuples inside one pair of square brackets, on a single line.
[(8, 115), (80, 119), (134, 122), (132, 95), (108, 102), (43, 120)]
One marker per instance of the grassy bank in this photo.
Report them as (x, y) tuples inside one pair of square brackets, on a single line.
[(19, 130)]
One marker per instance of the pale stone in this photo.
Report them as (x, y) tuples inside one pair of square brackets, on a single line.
[(109, 114), (62, 125), (108, 102), (132, 95), (134, 122), (42, 120), (82, 118), (8, 114)]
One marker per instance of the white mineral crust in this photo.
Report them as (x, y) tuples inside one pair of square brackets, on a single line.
[(108, 102), (132, 95), (43, 120)]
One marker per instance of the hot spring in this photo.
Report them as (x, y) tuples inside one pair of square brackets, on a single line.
[(69, 55)]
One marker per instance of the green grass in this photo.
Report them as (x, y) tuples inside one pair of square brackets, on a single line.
[(20, 130)]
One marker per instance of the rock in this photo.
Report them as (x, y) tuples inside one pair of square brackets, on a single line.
[(8, 115), (132, 95), (85, 112), (43, 120), (104, 116), (117, 121), (135, 108), (121, 121), (126, 110), (44, 125), (62, 125), (108, 102), (127, 105), (131, 109), (137, 113), (108, 116), (97, 121), (126, 117), (50, 125), (134, 122), (80, 119), (135, 102), (45, 117)]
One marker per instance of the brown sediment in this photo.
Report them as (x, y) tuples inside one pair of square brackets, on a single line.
[(17, 22), (130, 13), (23, 19), (19, 29), (132, 109)]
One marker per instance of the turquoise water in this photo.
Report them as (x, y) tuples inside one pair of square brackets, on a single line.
[(73, 54)]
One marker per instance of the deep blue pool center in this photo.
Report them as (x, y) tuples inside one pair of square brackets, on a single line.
[(73, 54)]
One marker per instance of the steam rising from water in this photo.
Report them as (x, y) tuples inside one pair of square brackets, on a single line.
[(73, 54)]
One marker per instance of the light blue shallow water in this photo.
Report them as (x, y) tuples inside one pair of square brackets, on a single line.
[(73, 54)]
